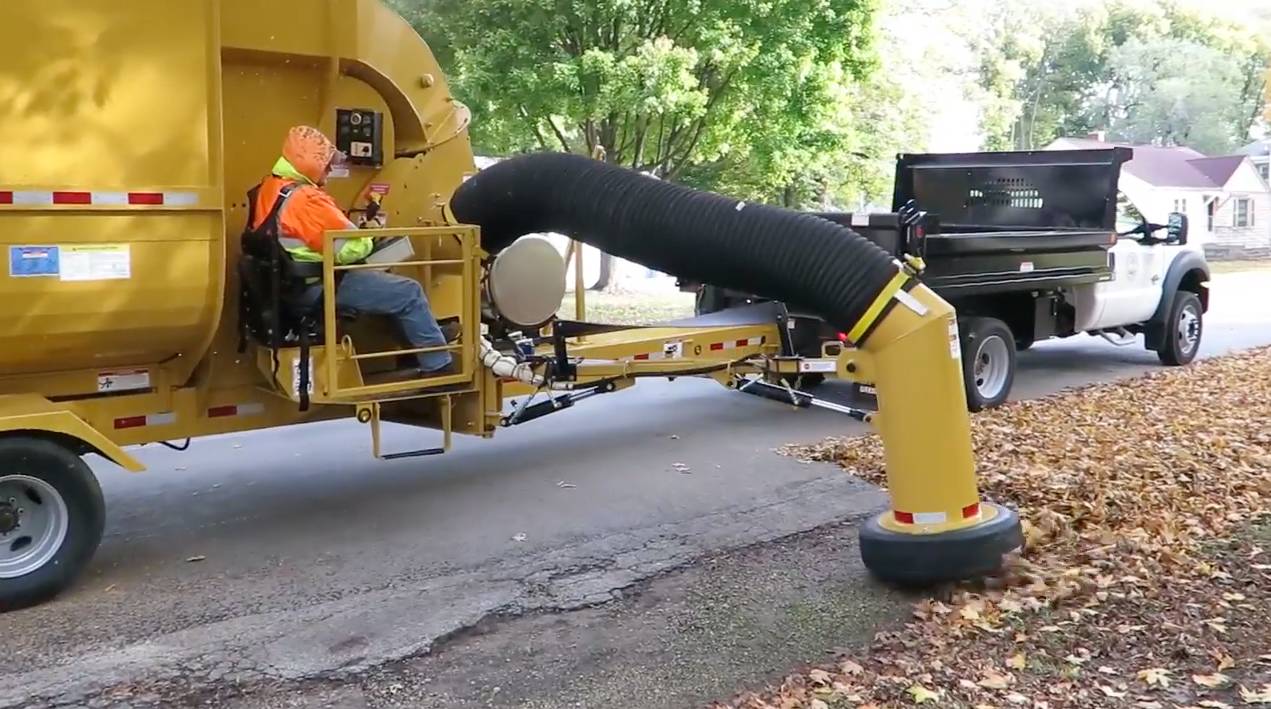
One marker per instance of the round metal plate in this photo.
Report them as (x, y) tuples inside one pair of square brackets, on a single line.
[(43, 521), (527, 281)]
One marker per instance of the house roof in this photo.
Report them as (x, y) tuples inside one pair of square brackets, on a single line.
[(1170, 167), (1220, 169)]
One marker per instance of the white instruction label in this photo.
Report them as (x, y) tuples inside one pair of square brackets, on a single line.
[(126, 380), (673, 350), (295, 377), (1026, 267), (96, 263), (818, 365), (955, 347), (868, 389)]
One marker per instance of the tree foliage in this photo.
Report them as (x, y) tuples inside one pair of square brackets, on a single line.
[(1143, 72), (751, 95)]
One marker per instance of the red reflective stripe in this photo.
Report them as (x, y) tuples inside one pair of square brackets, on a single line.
[(642, 356), (742, 343), (145, 198), (717, 346), (130, 422), (221, 411), (970, 511), (903, 517), (6, 198), (72, 198)]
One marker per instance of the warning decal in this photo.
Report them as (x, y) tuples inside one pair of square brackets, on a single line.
[(127, 380), (96, 263), (33, 261), (955, 347)]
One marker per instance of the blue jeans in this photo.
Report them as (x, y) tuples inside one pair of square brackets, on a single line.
[(382, 293)]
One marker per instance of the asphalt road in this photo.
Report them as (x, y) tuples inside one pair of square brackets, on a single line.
[(315, 561)]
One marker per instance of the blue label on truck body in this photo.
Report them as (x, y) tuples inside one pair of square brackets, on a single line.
[(31, 261)]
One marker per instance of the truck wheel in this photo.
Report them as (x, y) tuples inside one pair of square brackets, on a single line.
[(988, 361), (51, 520), (1183, 327)]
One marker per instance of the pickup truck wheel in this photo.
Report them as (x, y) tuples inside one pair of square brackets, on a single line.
[(1183, 328), (988, 361), (51, 520)]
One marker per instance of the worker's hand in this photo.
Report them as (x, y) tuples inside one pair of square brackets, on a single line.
[(379, 221)]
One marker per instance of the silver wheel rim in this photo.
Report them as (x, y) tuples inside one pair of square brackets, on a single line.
[(42, 522), (992, 364), (1188, 329)]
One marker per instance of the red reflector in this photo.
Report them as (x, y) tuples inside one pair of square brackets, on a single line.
[(742, 343), (6, 198), (130, 422), (971, 511), (842, 337), (221, 411), (72, 198), (903, 517), (145, 198), (717, 346)]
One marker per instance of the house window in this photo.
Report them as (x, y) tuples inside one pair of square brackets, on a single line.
[(1180, 205), (1244, 213), (1265, 170)]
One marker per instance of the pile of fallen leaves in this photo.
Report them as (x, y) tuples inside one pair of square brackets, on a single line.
[(1146, 577)]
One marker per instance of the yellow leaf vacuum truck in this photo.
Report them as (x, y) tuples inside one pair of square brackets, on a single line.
[(135, 309)]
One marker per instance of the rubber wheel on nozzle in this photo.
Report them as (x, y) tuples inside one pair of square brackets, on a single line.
[(929, 559)]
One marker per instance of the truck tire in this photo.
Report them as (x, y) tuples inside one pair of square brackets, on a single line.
[(988, 361), (52, 515), (1183, 328)]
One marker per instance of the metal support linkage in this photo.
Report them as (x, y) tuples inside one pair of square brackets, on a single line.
[(788, 395)]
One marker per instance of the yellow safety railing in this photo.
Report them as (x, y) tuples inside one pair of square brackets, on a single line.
[(339, 352)]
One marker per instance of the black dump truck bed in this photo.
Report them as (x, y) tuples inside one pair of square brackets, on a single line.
[(994, 222), (1009, 228)]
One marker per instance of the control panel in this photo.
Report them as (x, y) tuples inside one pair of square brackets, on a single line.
[(359, 134)]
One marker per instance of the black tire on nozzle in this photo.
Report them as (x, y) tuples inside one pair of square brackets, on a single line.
[(921, 560)]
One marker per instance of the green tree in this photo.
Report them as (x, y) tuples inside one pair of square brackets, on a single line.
[(678, 88), (1177, 92), (1049, 72)]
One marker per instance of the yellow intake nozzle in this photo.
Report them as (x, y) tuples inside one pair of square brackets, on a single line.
[(938, 528)]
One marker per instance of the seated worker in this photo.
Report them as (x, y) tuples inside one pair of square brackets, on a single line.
[(307, 212)]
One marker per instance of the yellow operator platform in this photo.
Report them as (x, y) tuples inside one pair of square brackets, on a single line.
[(134, 308)]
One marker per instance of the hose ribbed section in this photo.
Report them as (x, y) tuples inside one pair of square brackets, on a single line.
[(778, 254)]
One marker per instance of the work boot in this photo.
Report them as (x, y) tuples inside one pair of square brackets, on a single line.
[(452, 330), (451, 368)]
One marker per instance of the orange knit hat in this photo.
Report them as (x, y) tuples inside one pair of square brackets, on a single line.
[(309, 151)]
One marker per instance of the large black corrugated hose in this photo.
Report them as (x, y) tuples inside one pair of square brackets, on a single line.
[(779, 254)]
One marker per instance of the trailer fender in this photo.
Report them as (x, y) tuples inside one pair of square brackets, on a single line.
[(35, 415), (1189, 270)]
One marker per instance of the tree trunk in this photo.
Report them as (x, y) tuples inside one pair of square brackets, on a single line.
[(605, 278)]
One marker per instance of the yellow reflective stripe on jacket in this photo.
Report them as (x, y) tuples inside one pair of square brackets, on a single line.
[(346, 250)]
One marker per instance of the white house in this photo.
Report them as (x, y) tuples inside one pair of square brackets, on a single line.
[(1260, 153), (1226, 200)]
